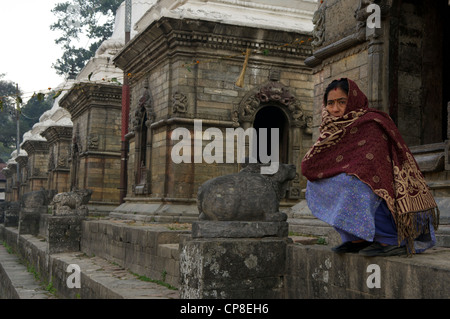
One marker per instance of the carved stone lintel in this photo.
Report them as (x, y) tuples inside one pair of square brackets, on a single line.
[(272, 93)]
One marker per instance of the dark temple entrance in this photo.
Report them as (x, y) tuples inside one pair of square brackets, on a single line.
[(273, 117)]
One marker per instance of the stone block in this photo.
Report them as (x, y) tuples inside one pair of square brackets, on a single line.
[(239, 229), (11, 214), (3, 206), (29, 220), (64, 233), (232, 268)]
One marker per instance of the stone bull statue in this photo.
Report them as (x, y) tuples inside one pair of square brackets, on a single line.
[(245, 196), (71, 203)]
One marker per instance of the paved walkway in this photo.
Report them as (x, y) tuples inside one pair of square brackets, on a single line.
[(17, 282), (109, 280)]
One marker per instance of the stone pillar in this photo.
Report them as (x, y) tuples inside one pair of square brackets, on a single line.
[(234, 260)]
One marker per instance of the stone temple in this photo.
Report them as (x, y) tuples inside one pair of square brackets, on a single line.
[(228, 64)]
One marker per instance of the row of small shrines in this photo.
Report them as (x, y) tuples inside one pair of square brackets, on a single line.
[(53, 163), (164, 96), (88, 153)]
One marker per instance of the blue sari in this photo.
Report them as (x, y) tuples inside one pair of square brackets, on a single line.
[(356, 212)]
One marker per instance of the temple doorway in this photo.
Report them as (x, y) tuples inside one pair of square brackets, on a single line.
[(273, 117)]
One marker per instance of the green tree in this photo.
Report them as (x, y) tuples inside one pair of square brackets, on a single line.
[(78, 19), (29, 115), (7, 111)]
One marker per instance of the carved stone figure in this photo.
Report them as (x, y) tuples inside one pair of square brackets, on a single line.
[(250, 106), (93, 142), (146, 100), (319, 27), (297, 113), (145, 108), (245, 196), (71, 203), (62, 160), (179, 103), (51, 161)]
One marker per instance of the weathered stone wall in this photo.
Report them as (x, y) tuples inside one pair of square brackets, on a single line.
[(312, 271), (9, 184), (22, 161), (59, 139), (399, 66), (339, 19), (421, 71), (37, 164), (142, 250), (37, 178), (318, 273)]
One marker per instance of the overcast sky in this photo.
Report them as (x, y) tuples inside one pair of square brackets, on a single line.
[(27, 48)]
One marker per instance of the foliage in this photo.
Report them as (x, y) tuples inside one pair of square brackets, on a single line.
[(77, 19), (29, 115)]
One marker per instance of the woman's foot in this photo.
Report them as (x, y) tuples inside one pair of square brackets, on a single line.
[(380, 249), (351, 246)]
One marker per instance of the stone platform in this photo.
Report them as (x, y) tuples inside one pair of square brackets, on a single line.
[(101, 278), (118, 249)]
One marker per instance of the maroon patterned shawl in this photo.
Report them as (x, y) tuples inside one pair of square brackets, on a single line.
[(365, 142)]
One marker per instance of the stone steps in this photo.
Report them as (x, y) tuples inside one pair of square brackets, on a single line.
[(99, 278), (17, 282), (313, 271)]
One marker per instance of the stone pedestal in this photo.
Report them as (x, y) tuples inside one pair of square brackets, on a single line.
[(62, 233), (11, 214), (234, 260), (29, 220), (3, 206), (32, 206)]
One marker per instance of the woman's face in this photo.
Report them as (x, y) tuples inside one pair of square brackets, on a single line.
[(336, 102)]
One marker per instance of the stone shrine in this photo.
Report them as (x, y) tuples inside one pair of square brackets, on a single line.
[(183, 65)]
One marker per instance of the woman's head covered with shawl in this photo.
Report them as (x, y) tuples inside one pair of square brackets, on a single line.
[(357, 103)]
